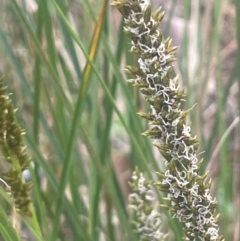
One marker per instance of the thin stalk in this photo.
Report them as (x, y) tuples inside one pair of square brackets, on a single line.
[(78, 107)]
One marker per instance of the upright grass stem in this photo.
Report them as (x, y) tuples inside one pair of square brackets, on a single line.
[(187, 190)]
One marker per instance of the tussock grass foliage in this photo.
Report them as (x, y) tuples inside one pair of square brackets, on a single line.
[(63, 63)]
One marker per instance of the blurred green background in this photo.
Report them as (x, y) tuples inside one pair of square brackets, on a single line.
[(81, 126)]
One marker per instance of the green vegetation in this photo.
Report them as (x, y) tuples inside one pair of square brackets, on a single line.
[(63, 63)]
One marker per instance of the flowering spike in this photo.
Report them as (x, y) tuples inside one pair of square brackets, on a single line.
[(147, 220), (187, 191), (14, 152)]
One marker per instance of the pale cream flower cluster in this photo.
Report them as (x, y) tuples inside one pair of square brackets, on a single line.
[(187, 191), (142, 201)]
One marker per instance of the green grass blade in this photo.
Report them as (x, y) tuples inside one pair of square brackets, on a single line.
[(6, 229), (81, 96)]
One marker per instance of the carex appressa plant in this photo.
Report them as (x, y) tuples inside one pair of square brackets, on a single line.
[(147, 219), (187, 190), (13, 151)]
